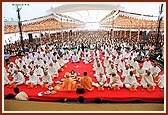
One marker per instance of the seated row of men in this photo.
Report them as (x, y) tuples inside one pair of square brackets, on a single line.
[(69, 81)]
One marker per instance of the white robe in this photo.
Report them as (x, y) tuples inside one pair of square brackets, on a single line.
[(34, 79), (147, 65), (52, 71), (140, 72), (101, 81), (115, 81), (125, 73), (147, 80), (61, 62), (161, 81), (121, 66), (99, 70), (11, 70), (130, 80), (155, 71), (75, 58), (18, 78), (45, 66), (6, 80), (47, 79), (110, 71), (27, 61), (25, 71), (135, 65), (39, 72)]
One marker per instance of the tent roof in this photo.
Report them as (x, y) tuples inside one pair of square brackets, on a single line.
[(128, 20)]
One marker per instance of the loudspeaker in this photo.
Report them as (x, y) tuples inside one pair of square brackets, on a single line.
[(30, 37), (80, 90), (81, 99)]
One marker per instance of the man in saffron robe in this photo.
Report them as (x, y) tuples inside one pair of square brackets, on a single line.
[(68, 84), (86, 82)]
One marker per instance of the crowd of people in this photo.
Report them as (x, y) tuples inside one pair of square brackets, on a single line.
[(121, 54)]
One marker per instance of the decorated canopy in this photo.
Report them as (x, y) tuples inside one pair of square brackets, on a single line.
[(127, 20), (116, 19), (45, 23)]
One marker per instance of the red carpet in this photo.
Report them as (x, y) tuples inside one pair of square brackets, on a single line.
[(124, 95)]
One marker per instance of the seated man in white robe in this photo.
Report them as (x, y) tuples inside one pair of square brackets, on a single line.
[(87, 59), (65, 57), (101, 80), (33, 79), (121, 66), (117, 60), (52, 71), (96, 54), (75, 58), (27, 60), (47, 79), (39, 71), (115, 81), (135, 65), (106, 61), (147, 65), (127, 54), (45, 65), (17, 60), (11, 68), (20, 64), (87, 52), (25, 71), (56, 65), (130, 81), (32, 65), (129, 61), (140, 72), (161, 81), (60, 61), (18, 78), (126, 71), (39, 62), (110, 70), (155, 70), (6, 80), (99, 69), (95, 62), (147, 80)]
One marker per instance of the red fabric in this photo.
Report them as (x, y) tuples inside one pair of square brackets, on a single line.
[(122, 95)]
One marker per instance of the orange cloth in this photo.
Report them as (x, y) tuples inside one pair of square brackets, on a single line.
[(86, 83), (69, 84)]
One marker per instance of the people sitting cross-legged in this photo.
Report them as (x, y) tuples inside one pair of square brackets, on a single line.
[(115, 82), (46, 79), (6, 80), (18, 78), (99, 69), (147, 81), (155, 70), (86, 82), (130, 82), (101, 81), (33, 79), (161, 81), (75, 58)]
